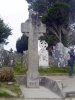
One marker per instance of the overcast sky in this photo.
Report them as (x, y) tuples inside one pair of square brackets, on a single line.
[(13, 12)]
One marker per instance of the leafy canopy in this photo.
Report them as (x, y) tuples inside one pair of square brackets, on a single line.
[(58, 13), (5, 31)]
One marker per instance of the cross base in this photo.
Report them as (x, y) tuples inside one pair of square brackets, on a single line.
[(32, 79)]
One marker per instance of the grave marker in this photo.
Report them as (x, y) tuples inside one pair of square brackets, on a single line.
[(32, 27)]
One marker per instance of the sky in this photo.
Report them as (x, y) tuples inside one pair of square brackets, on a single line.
[(13, 12)]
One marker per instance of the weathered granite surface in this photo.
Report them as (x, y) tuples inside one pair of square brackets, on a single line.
[(25, 59), (32, 27), (59, 55), (1, 55), (43, 55)]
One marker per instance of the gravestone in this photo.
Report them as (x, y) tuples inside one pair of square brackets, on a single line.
[(32, 27), (25, 59), (59, 55), (11, 60), (17, 56), (1, 55), (43, 55), (6, 53)]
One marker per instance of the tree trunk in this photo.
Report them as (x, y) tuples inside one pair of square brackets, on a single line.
[(60, 35)]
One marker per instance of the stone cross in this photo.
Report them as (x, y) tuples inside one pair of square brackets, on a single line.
[(31, 28)]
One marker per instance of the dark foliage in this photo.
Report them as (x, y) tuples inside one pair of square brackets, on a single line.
[(5, 31), (22, 44), (56, 14)]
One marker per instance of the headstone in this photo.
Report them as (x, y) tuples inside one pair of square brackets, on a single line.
[(1, 55), (18, 56), (11, 60), (32, 28), (6, 53), (43, 55), (59, 55), (25, 59)]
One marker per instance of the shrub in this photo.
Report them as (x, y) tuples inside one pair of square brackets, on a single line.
[(6, 74)]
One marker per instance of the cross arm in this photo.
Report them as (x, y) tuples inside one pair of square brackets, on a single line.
[(42, 28), (25, 28)]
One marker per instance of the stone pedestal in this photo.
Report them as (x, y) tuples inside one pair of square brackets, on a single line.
[(32, 79)]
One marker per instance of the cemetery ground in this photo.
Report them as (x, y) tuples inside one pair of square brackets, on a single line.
[(51, 71), (12, 90)]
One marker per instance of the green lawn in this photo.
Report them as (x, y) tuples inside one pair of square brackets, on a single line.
[(13, 88), (52, 70)]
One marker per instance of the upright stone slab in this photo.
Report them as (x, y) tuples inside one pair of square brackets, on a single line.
[(25, 59), (11, 60), (43, 55), (59, 55), (31, 28), (1, 55)]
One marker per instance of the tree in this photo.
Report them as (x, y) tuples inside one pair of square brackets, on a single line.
[(44, 6), (22, 44), (5, 31), (41, 6), (56, 19)]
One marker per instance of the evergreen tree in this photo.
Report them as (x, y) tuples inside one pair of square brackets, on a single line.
[(56, 18), (22, 44), (61, 17), (5, 31)]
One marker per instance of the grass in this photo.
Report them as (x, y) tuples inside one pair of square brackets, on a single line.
[(5, 94), (52, 70), (19, 70), (14, 88)]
